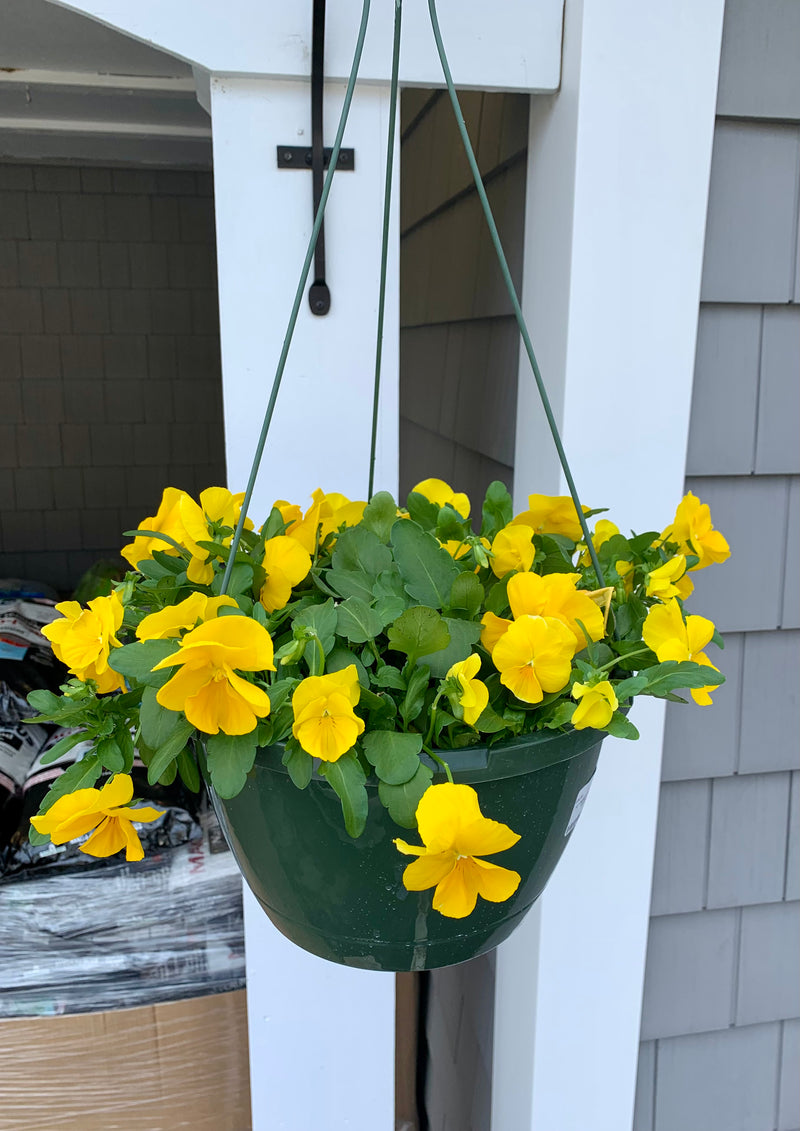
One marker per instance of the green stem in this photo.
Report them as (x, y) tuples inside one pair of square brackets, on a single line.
[(439, 761)]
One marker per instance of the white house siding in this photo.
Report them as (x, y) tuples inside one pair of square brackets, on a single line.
[(109, 356), (459, 349), (721, 1015)]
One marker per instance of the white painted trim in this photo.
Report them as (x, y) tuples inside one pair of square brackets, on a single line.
[(32, 77), (615, 217), (76, 126), (321, 1035), (518, 48)]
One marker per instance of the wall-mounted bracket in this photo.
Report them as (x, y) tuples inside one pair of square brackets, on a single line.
[(317, 158)]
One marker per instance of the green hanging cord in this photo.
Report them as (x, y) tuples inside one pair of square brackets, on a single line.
[(509, 282), (387, 204), (287, 341)]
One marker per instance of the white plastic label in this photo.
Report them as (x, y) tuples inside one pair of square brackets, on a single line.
[(577, 808)]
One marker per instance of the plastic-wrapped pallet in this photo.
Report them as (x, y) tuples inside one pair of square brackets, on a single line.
[(122, 934)]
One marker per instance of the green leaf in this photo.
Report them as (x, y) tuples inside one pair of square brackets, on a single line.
[(380, 515), (463, 634), (350, 583), (347, 778), (402, 800), (498, 509), (419, 631), (415, 694), (466, 594), (63, 746), (497, 597), (81, 775), (110, 755), (427, 569), (279, 693), (489, 722), (187, 768), (395, 756), (630, 687), (274, 525), (298, 763), (390, 608), (422, 511), (388, 676), (360, 550), (230, 759), (136, 661), (357, 621), (341, 658), (157, 722), (169, 750), (673, 675), (620, 727), (45, 702), (389, 583), (560, 715), (241, 581), (450, 526), (321, 619)]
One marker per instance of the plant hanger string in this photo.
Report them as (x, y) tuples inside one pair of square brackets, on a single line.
[(498, 247), (387, 205), (509, 284), (298, 298)]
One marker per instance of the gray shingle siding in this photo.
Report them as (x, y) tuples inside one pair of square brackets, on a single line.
[(720, 1028)]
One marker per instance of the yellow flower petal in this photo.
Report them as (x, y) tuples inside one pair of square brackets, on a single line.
[(512, 549), (493, 882), (493, 628), (107, 839), (428, 871), (457, 894), (440, 493), (443, 811)]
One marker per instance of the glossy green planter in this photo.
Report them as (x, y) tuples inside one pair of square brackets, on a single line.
[(344, 899)]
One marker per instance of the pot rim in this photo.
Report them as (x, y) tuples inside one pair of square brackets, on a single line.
[(513, 757)]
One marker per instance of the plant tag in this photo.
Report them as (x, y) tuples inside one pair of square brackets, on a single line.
[(577, 808)]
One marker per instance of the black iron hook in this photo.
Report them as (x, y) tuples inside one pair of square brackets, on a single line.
[(319, 295)]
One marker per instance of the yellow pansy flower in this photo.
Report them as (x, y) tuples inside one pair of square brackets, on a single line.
[(598, 702), (325, 724), (286, 563), (672, 638), (474, 695), (454, 835), (552, 514), (217, 505), (556, 595), (85, 637), (326, 514), (104, 810), (601, 534), (172, 620), (694, 532), (206, 688), (669, 580), (533, 656), (512, 549), (167, 520), (493, 628), (440, 493)]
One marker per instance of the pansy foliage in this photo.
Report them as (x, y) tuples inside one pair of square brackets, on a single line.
[(370, 641)]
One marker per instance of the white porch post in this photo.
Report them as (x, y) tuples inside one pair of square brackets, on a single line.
[(321, 1036), (617, 187)]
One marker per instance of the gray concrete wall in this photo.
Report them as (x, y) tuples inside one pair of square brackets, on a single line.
[(459, 350), (110, 383), (721, 1017)]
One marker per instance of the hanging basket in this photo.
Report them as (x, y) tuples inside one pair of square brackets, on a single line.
[(344, 900)]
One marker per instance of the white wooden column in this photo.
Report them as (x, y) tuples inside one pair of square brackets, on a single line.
[(321, 1036), (618, 182)]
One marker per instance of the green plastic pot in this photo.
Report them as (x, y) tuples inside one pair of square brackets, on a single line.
[(344, 900)]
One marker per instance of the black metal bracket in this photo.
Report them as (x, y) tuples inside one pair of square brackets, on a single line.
[(317, 158)]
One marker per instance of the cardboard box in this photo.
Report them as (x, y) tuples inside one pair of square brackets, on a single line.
[(180, 1064)]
